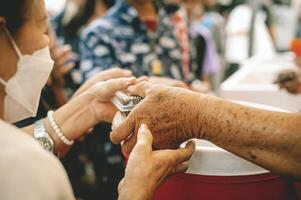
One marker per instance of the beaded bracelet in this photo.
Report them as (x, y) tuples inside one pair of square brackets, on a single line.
[(57, 130)]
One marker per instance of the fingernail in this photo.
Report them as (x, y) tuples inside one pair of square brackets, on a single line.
[(143, 127), (190, 143)]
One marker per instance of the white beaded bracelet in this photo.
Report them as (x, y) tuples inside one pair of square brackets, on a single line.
[(57, 130)]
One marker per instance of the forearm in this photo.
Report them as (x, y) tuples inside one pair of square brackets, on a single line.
[(269, 139)]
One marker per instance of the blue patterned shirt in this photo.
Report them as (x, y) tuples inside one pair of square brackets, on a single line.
[(120, 39)]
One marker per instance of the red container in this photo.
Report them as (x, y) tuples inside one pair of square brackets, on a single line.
[(195, 187), (217, 174)]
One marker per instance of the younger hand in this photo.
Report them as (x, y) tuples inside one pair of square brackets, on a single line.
[(105, 75)]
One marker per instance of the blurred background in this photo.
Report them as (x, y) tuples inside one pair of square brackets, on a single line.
[(246, 50)]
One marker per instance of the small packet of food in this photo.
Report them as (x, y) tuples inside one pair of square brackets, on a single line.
[(124, 103)]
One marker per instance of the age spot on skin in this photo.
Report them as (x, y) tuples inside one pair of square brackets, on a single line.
[(254, 157)]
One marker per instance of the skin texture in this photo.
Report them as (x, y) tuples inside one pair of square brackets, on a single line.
[(153, 167), (269, 139), (171, 124)]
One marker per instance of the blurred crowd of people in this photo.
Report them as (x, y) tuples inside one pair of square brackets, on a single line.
[(193, 44)]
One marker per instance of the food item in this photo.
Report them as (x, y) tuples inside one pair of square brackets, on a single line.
[(124, 103)]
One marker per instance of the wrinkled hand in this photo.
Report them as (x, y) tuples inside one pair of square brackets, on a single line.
[(170, 113), (147, 169), (103, 76)]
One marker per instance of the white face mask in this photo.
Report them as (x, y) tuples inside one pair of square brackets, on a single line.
[(23, 90)]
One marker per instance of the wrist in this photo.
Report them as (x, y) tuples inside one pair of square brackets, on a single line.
[(198, 104), (76, 117), (208, 112), (59, 148)]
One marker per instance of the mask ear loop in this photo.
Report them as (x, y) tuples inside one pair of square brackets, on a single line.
[(13, 43), (2, 81)]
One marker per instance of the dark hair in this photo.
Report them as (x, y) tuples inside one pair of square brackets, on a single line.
[(84, 15), (14, 11)]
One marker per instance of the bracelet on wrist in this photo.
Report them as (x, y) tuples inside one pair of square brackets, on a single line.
[(57, 129)]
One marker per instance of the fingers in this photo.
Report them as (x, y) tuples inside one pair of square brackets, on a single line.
[(142, 78), (182, 155), (140, 89), (103, 76), (64, 54), (144, 139), (129, 144), (105, 91), (67, 68), (115, 85), (65, 58), (180, 168), (60, 51), (123, 131)]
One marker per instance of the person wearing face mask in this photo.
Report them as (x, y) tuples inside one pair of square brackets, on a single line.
[(27, 170)]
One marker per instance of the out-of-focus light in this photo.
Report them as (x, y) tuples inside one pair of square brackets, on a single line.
[(53, 7), (295, 46)]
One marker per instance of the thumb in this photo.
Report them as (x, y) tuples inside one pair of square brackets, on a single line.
[(144, 140)]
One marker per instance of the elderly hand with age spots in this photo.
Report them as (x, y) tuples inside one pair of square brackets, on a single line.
[(269, 139), (168, 112)]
